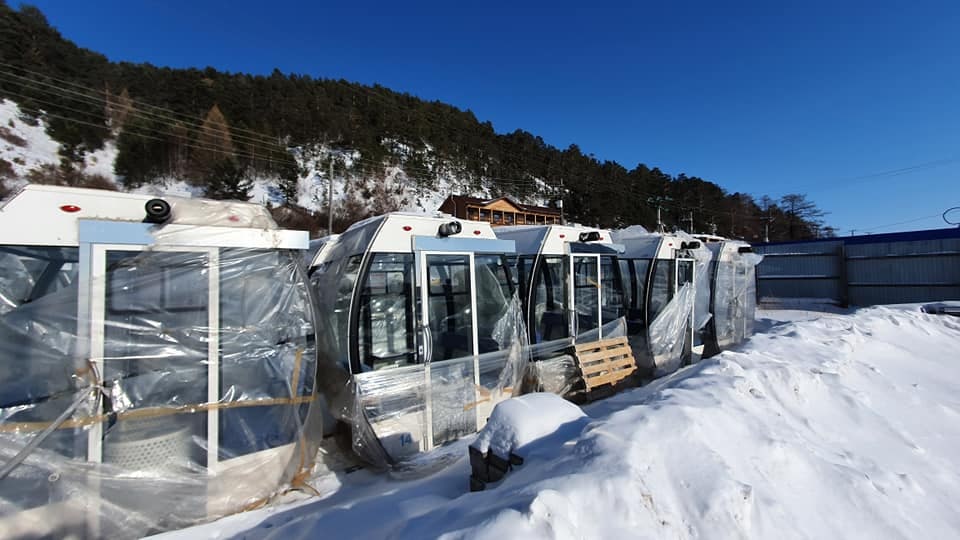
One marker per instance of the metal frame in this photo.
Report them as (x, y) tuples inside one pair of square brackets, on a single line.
[(572, 308), (424, 287), (692, 315), (96, 319)]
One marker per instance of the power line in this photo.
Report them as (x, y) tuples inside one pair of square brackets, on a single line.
[(256, 140), (914, 220), (262, 141), (85, 92)]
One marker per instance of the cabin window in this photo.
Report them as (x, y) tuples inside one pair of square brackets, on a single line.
[(550, 301), (587, 293), (38, 291), (334, 281), (30, 273), (628, 281), (638, 282), (473, 214), (156, 282), (520, 270), (684, 272), (494, 294), (448, 292), (660, 289), (484, 215), (612, 300), (633, 272), (497, 216), (508, 218), (385, 331)]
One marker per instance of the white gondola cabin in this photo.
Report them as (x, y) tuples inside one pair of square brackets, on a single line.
[(733, 293), (421, 323), (665, 297), (569, 282), (157, 361)]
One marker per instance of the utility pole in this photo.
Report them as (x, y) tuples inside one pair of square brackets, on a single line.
[(330, 199), (690, 221), (563, 219), (659, 202), (766, 228)]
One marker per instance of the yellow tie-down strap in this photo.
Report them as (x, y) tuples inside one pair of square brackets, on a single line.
[(153, 412), (157, 412)]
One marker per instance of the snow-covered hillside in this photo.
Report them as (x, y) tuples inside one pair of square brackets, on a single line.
[(838, 426), (25, 144)]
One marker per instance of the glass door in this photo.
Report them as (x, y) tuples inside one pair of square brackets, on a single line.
[(154, 320), (449, 328), (686, 276), (586, 294)]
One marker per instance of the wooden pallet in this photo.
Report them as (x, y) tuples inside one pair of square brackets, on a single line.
[(604, 362)]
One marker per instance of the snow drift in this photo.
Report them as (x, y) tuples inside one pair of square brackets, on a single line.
[(841, 426)]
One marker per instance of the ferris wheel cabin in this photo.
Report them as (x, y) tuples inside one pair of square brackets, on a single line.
[(421, 324)]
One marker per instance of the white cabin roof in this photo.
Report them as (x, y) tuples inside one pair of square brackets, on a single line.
[(395, 233), (548, 239), (51, 216)]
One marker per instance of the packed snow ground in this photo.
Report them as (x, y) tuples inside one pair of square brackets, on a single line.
[(821, 426)]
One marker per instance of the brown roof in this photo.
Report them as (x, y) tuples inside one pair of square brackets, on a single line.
[(465, 200)]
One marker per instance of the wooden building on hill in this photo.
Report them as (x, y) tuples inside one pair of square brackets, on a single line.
[(499, 211)]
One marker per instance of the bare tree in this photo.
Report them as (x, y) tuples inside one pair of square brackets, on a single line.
[(804, 218)]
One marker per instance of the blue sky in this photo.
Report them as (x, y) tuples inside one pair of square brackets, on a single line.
[(760, 97)]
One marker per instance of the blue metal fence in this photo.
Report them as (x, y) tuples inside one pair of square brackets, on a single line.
[(917, 266)]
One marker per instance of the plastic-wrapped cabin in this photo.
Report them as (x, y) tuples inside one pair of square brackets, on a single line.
[(421, 323), (157, 361), (571, 290), (667, 298), (733, 293)]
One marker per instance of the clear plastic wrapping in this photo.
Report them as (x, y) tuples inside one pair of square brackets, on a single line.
[(749, 262), (555, 369), (735, 297), (669, 329), (702, 258), (399, 412), (163, 385)]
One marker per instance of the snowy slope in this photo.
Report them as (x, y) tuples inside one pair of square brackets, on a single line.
[(835, 426), (26, 146), (382, 188)]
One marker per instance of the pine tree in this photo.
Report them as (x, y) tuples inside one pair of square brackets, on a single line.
[(212, 146), (118, 108), (227, 180)]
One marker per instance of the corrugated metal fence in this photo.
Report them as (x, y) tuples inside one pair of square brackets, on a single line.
[(894, 268)]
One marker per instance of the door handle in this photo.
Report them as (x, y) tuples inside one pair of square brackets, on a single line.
[(426, 344)]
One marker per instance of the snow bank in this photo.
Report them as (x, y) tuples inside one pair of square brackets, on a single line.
[(834, 428), (837, 427), (517, 422)]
